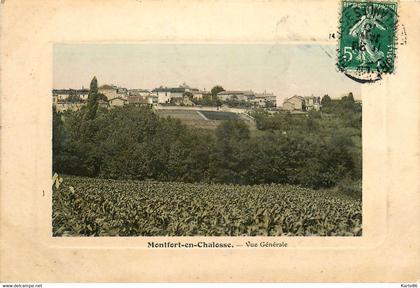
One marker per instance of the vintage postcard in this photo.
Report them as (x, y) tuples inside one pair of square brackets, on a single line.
[(204, 140), (208, 141)]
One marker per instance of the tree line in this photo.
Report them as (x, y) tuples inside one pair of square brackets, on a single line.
[(319, 149)]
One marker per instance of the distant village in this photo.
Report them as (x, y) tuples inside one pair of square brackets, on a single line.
[(183, 95)]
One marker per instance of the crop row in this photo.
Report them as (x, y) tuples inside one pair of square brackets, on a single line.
[(98, 207)]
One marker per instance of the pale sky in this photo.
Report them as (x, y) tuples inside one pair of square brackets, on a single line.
[(285, 70)]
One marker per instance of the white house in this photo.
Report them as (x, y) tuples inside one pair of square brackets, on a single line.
[(288, 105), (118, 101), (163, 94), (300, 103), (294, 103), (266, 97), (122, 93), (198, 94), (152, 100), (178, 92), (258, 102), (110, 91)]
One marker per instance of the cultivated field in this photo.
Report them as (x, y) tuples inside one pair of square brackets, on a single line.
[(201, 118), (189, 117), (216, 115), (86, 207)]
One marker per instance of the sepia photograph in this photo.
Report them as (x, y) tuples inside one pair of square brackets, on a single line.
[(204, 140)]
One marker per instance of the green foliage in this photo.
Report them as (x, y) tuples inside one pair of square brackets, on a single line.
[(93, 97), (97, 207), (58, 141), (325, 100), (321, 147), (232, 129), (73, 98), (216, 90), (189, 95), (316, 149), (278, 121), (270, 104), (347, 109), (350, 187), (102, 97), (208, 100), (235, 103)]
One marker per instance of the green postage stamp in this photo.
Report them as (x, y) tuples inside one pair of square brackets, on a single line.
[(367, 39)]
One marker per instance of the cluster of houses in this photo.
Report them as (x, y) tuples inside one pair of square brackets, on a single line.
[(183, 95)]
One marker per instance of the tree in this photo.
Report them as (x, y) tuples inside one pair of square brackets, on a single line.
[(350, 97), (93, 97), (102, 97), (303, 106), (58, 138), (310, 149), (232, 129), (189, 95), (325, 100), (226, 158), (348, 102), (270, 104), (216, 90), (312, 121)]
